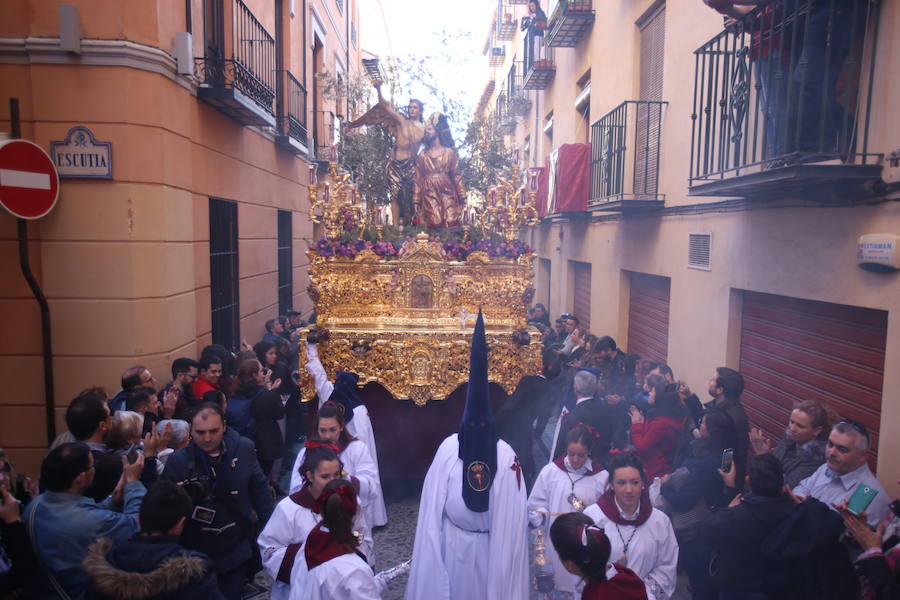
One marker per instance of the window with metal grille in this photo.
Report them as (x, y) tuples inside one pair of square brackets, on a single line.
[(223, 273), (285, 262), (699, 245)]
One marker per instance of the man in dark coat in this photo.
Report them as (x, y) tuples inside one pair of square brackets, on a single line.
[(726, 389), (231, 497), (152, 564), (766, 545)]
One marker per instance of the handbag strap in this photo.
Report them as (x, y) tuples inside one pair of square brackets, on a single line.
[(56, 586)]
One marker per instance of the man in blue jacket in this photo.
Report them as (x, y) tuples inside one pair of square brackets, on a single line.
[(62, 522), (230, 494)]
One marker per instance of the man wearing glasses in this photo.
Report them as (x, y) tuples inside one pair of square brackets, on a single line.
[(184, 372), (846, 468)]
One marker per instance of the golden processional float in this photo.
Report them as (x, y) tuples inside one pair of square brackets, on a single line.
[(400, 311)]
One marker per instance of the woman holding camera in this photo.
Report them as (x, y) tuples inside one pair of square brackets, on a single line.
[(359, 467), (332, 566), (641, 537), (295, 516)]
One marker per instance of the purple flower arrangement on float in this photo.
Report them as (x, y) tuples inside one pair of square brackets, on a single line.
[(454, 249)]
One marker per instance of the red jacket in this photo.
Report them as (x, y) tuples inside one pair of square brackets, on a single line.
[(625, 585), (202, 385), (655, 441)]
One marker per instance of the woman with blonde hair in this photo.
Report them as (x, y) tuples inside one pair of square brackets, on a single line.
[(802, 449), (124, 431)]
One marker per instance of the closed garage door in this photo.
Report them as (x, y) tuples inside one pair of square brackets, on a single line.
[(648, 317), (581, 292), (793, 350)]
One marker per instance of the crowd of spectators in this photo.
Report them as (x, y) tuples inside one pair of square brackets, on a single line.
[(747, 517), (169, 490), (148, 493)]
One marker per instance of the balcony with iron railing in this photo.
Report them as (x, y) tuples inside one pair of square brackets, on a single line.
[(782, 102), (625, 157), (505, 122), (570, 21), (326, 127), (292, 130), (539, 67), (517, 100), (505, 21), (496, 55), (239, 78)]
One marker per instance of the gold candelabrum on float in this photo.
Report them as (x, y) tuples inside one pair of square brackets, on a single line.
[(337, 202), (510, 204)]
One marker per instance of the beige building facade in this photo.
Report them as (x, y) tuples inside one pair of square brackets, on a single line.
[(694, 245), (215, 111)]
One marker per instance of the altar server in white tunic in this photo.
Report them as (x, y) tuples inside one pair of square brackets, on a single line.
[(641, 536), (356, 417), (471, 541), (296, 515), (331, 567), (358, 464), (570, 483)]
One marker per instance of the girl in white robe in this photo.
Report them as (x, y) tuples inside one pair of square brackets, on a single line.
[(570, 483), (330, 567), (359, 427), (358, 464), (296, 515), (641, 536)]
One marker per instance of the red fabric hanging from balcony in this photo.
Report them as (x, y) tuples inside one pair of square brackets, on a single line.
[(573, 177)]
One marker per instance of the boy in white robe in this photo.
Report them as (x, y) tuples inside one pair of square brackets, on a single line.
[(471, 541)]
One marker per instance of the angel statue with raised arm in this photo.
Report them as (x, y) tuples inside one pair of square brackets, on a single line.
[(408, 132)]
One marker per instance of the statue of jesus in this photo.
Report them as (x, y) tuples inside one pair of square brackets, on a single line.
[(439, 194), (408, 132)]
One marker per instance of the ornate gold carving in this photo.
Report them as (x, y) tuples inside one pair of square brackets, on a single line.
[(414, 313)]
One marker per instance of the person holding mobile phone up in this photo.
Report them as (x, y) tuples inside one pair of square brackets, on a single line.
[(879, 563), (845, 469)]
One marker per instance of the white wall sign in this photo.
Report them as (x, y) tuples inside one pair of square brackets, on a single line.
[(80, 155)]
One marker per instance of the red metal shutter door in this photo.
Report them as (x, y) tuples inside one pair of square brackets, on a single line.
[(581, 288), (648, 317), (793, 350)]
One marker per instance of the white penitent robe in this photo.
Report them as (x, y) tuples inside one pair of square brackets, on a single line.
[(652, 549), (346, 577), (550, 494), (281, 541), (464, 555), (360, 427), (357, 463)]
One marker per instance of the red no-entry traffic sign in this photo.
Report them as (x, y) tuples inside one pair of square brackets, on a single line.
[(29, 183)]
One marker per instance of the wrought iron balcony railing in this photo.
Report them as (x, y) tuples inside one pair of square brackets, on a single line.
[(786, 87), (505, 25), (570, 21), (292, 130), (625, 155), (539, 65), (517, 101), (325, 126), (497, 54), (242, 69)]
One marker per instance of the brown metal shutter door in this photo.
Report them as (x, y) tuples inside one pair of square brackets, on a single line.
[(648, 317), (581, 288), (793, 350)]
